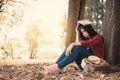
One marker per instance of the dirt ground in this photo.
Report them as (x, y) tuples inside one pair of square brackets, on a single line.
[(33, 70)]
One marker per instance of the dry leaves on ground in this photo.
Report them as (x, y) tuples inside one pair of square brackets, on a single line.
[(34, 72)]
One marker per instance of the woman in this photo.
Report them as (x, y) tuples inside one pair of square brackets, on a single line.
[(88, 42)]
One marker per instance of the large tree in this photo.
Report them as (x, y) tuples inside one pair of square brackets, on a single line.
[(111, 31), (75, 12)]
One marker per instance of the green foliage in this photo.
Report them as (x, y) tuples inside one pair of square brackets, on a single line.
[(95, 11)]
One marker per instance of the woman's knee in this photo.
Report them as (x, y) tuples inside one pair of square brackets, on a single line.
[(77, 47)]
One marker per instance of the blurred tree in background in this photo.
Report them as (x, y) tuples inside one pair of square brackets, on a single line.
[(95, 11), (33, 38), (111, 32), (38, 36), (76, 10), (11, 12)]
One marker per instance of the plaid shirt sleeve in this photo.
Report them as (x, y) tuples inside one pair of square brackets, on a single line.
[(93, 41)]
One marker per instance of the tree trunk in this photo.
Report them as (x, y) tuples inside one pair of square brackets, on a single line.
[(111, 32), (75, 13)]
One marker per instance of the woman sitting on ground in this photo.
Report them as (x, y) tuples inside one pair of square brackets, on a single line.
[(88, 42)]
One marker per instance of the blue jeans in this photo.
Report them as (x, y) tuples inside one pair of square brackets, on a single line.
[(77, 54)]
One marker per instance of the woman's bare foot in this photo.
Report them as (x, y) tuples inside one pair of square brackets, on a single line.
[(52, 69)]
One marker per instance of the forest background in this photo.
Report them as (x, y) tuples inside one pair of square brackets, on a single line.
[(36, 29)]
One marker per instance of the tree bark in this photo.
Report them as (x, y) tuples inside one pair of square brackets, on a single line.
[(111, 32), (75, 12)]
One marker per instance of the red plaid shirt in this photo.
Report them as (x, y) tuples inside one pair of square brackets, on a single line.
[(96, 44)]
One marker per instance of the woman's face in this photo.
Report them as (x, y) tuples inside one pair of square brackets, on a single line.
[(85, 33)]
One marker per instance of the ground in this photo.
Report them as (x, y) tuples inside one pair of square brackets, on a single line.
[(33, 70)]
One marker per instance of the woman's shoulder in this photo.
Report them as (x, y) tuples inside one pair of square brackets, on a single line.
[(98, 35)]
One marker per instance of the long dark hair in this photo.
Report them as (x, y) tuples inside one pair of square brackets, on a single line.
[(88, 28)]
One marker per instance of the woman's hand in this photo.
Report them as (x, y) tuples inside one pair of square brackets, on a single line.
[(68, 50)]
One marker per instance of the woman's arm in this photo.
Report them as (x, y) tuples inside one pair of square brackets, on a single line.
[(77, 37), (68, 50), (92, 42)]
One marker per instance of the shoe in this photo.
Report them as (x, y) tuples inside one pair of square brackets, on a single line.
[(52, 69)]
